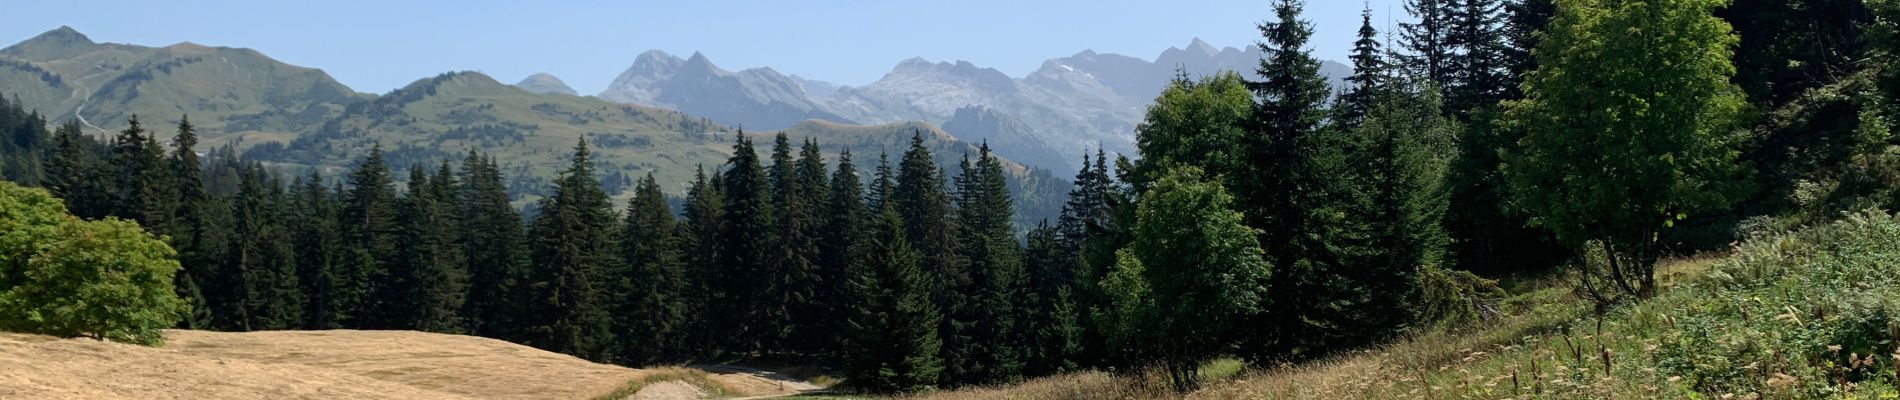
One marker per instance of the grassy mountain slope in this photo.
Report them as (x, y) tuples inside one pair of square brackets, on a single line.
[(228, 92)]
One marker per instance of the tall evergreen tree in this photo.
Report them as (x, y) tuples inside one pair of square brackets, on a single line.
[(497, 260), (139, 186), (260, 265), (1051, 324), (746, 245), (190, 236), (652, 321), (368, 225), (429, 279), (1478, 76), (844, 217), (1428, 40), (699, 242), (572, 246), (1369, 74), (74, 173), (792, 278), (891, 325), (995, 275), (312, 223), (921, 199)]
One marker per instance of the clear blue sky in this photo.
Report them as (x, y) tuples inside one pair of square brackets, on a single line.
[(376, 46)]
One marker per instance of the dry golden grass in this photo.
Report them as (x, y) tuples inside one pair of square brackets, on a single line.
[(341, 364), (1078, 386)]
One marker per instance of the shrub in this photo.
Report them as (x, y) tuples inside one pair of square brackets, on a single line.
[(63, 276)]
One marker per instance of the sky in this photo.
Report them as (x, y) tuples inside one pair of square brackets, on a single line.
[(378, 46)]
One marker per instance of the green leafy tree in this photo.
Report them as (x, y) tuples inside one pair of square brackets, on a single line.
[(63, 276), (1628, 122), (892, 322), (1200, 123), (1193, 275)]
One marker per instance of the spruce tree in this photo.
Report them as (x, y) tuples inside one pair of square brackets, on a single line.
[(190, 237), (1369, 75), (699, 236), (746, 257), (139, 181), (921, 199), (844, 217), (1478, 76), (430, 278), (891, 325), (368, 230), (74, 174), (259, 264), (791, 281), (653, 320), (572, 247), (497, 261), (1052, 325), (995, 273), (312, 223), (1429, 40)]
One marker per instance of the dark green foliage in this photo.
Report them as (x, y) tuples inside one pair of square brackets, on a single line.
[(1400, 155), (494, 242), (571, 243), (699, 243), (74, 172), (995, 273), (313, 234), (921, 200), (844, 216), (368, 230), (746, 254), (652, 320), (25, 144), (1052, 327), (259, 267), (790, 311), (1370, 71), (1788, 47), (1429, 39), (430, 278), (891, 326), (1478, 73)]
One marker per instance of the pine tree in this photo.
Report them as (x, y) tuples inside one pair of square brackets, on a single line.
[(891, 325), (1369, 75), (883, 181), (74, 174), (190, 237), (572, 246), (1428, 40), (312, 223), (1053, 326), (493, 239), (699, 236), (1477, 77), (844, 218), (921, 199), (139, 182), (995, 275), (429, 278), (368, 225), (1400, 157), (746, 244), (260, 264), (1088, 232), (791, 281), (653, 321)]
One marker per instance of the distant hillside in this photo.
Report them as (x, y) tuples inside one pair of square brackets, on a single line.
[(544, 83), (226, 91), (298, 117)]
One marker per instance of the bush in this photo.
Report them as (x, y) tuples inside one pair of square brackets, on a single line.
[(1802, 314), (63, 276)]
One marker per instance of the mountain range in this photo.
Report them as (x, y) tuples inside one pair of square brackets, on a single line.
[(301, 118), (1047, 118)]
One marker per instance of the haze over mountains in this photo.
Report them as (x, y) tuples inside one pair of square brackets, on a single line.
[(1049, 117)]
